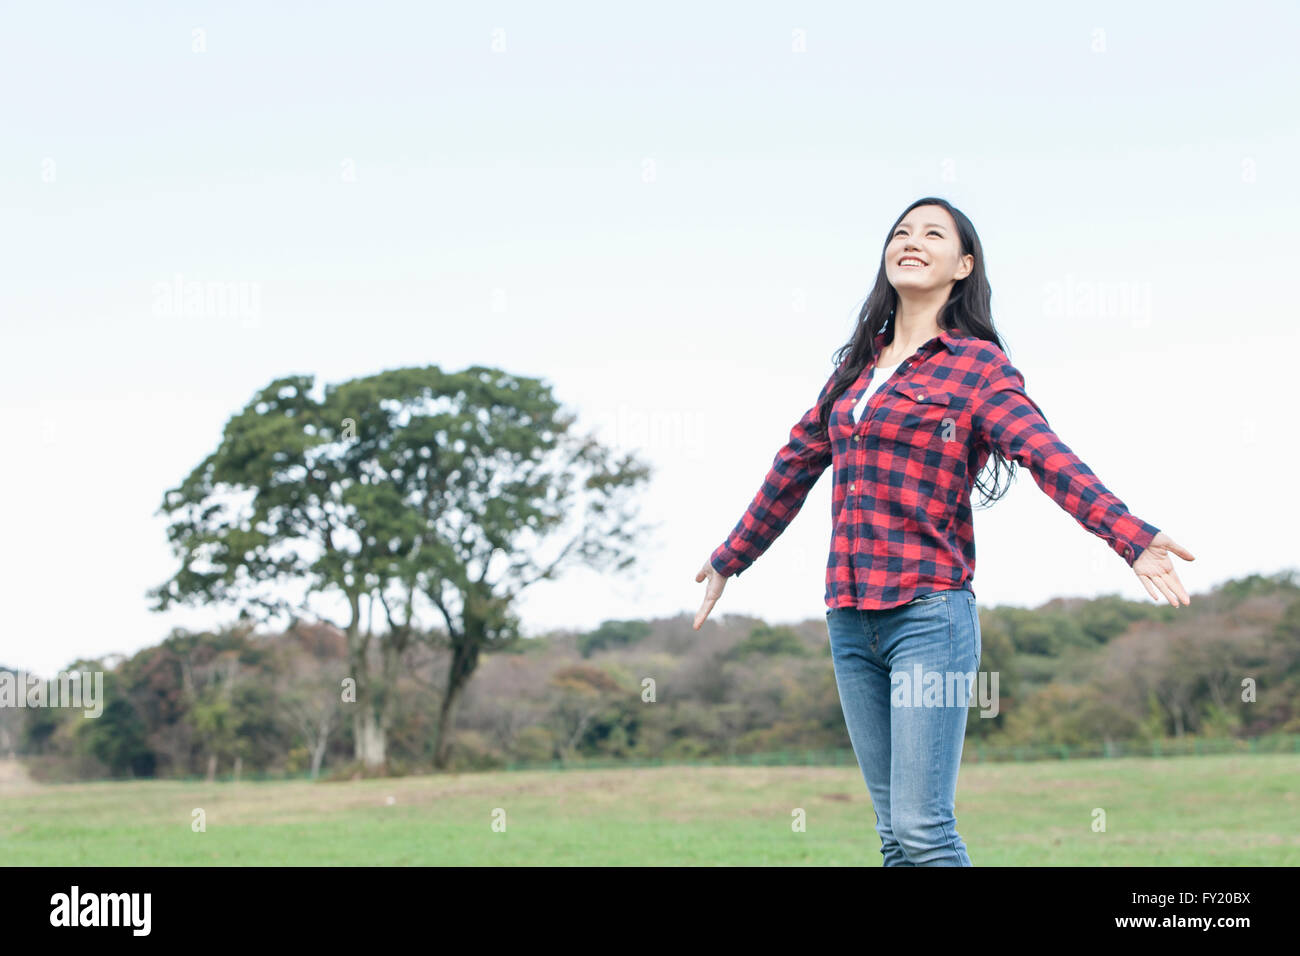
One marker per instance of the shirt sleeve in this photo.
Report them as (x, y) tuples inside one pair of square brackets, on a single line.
[(794, 471), (1006, 418)]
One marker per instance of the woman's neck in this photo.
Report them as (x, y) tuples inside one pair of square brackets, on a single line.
[(908, 337), (917, 320)]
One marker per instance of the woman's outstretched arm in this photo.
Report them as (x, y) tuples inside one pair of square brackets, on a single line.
[(794, 471), (1006, 418)]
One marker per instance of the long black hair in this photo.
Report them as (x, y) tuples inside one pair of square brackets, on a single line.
[(967, 312)]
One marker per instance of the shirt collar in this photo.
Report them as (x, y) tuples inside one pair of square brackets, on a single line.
[(945, 336)]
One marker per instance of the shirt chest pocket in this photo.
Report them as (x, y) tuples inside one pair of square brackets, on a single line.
[(918, 419), (917, 408)]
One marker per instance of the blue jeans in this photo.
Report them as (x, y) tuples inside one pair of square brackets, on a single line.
[(907, 735)]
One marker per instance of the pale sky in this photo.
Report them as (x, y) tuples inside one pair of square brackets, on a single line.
[(672, 213)]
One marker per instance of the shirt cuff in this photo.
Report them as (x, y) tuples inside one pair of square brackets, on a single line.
[(726, 562), (1134, 536)]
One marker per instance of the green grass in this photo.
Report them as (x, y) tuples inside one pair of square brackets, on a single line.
[(1210, 810)]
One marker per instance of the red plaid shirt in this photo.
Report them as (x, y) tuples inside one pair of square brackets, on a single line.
[(900, 502)]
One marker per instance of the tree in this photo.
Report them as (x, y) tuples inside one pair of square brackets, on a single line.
[(581, 694), (413, 489), (308, 679), (768, 639), (612, 634)]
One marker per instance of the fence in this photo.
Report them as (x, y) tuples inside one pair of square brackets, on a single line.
[(972, 752)]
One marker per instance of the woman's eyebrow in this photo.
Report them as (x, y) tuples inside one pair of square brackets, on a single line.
[(928, 225)]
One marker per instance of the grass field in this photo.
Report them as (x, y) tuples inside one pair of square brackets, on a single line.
[(1211, 810)]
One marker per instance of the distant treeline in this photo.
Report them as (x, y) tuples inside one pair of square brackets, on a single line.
[(1072, 672)]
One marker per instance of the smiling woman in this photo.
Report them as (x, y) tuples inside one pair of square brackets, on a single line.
[(922, 398)]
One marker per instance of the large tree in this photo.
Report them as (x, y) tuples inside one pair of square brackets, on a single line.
[(422, 492)]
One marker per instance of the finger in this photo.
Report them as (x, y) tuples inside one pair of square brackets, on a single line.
[(1177, 586), (1159, 582), (703, 612), (1146, 583), (1171, 585)]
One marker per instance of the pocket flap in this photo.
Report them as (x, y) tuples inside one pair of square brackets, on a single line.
[(919, 393)]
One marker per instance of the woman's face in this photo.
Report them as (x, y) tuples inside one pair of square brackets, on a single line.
[(924, 253)]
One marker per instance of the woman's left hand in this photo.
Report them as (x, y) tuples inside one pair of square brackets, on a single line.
[(1155, 569)]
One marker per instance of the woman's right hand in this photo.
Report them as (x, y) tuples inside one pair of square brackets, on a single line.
[(711, 593)]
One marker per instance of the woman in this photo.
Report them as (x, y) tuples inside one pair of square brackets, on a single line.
[(922, 397)]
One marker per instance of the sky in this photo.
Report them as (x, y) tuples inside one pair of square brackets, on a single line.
[(672, 213)]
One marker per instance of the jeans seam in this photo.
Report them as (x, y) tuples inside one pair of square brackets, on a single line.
[(870, 633), (949, 828)]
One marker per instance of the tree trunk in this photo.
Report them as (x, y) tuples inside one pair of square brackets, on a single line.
[(446, 718), (212, 767), (464, 658), (318, 751), (377, 707), (371, 737), (368, 730)]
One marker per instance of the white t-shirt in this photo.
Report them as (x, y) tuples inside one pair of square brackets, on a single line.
[(879, 377)]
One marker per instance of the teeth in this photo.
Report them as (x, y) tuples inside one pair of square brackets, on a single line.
[(916, 261)]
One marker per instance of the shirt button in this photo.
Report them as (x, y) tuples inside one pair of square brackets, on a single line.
[(850, 487)]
